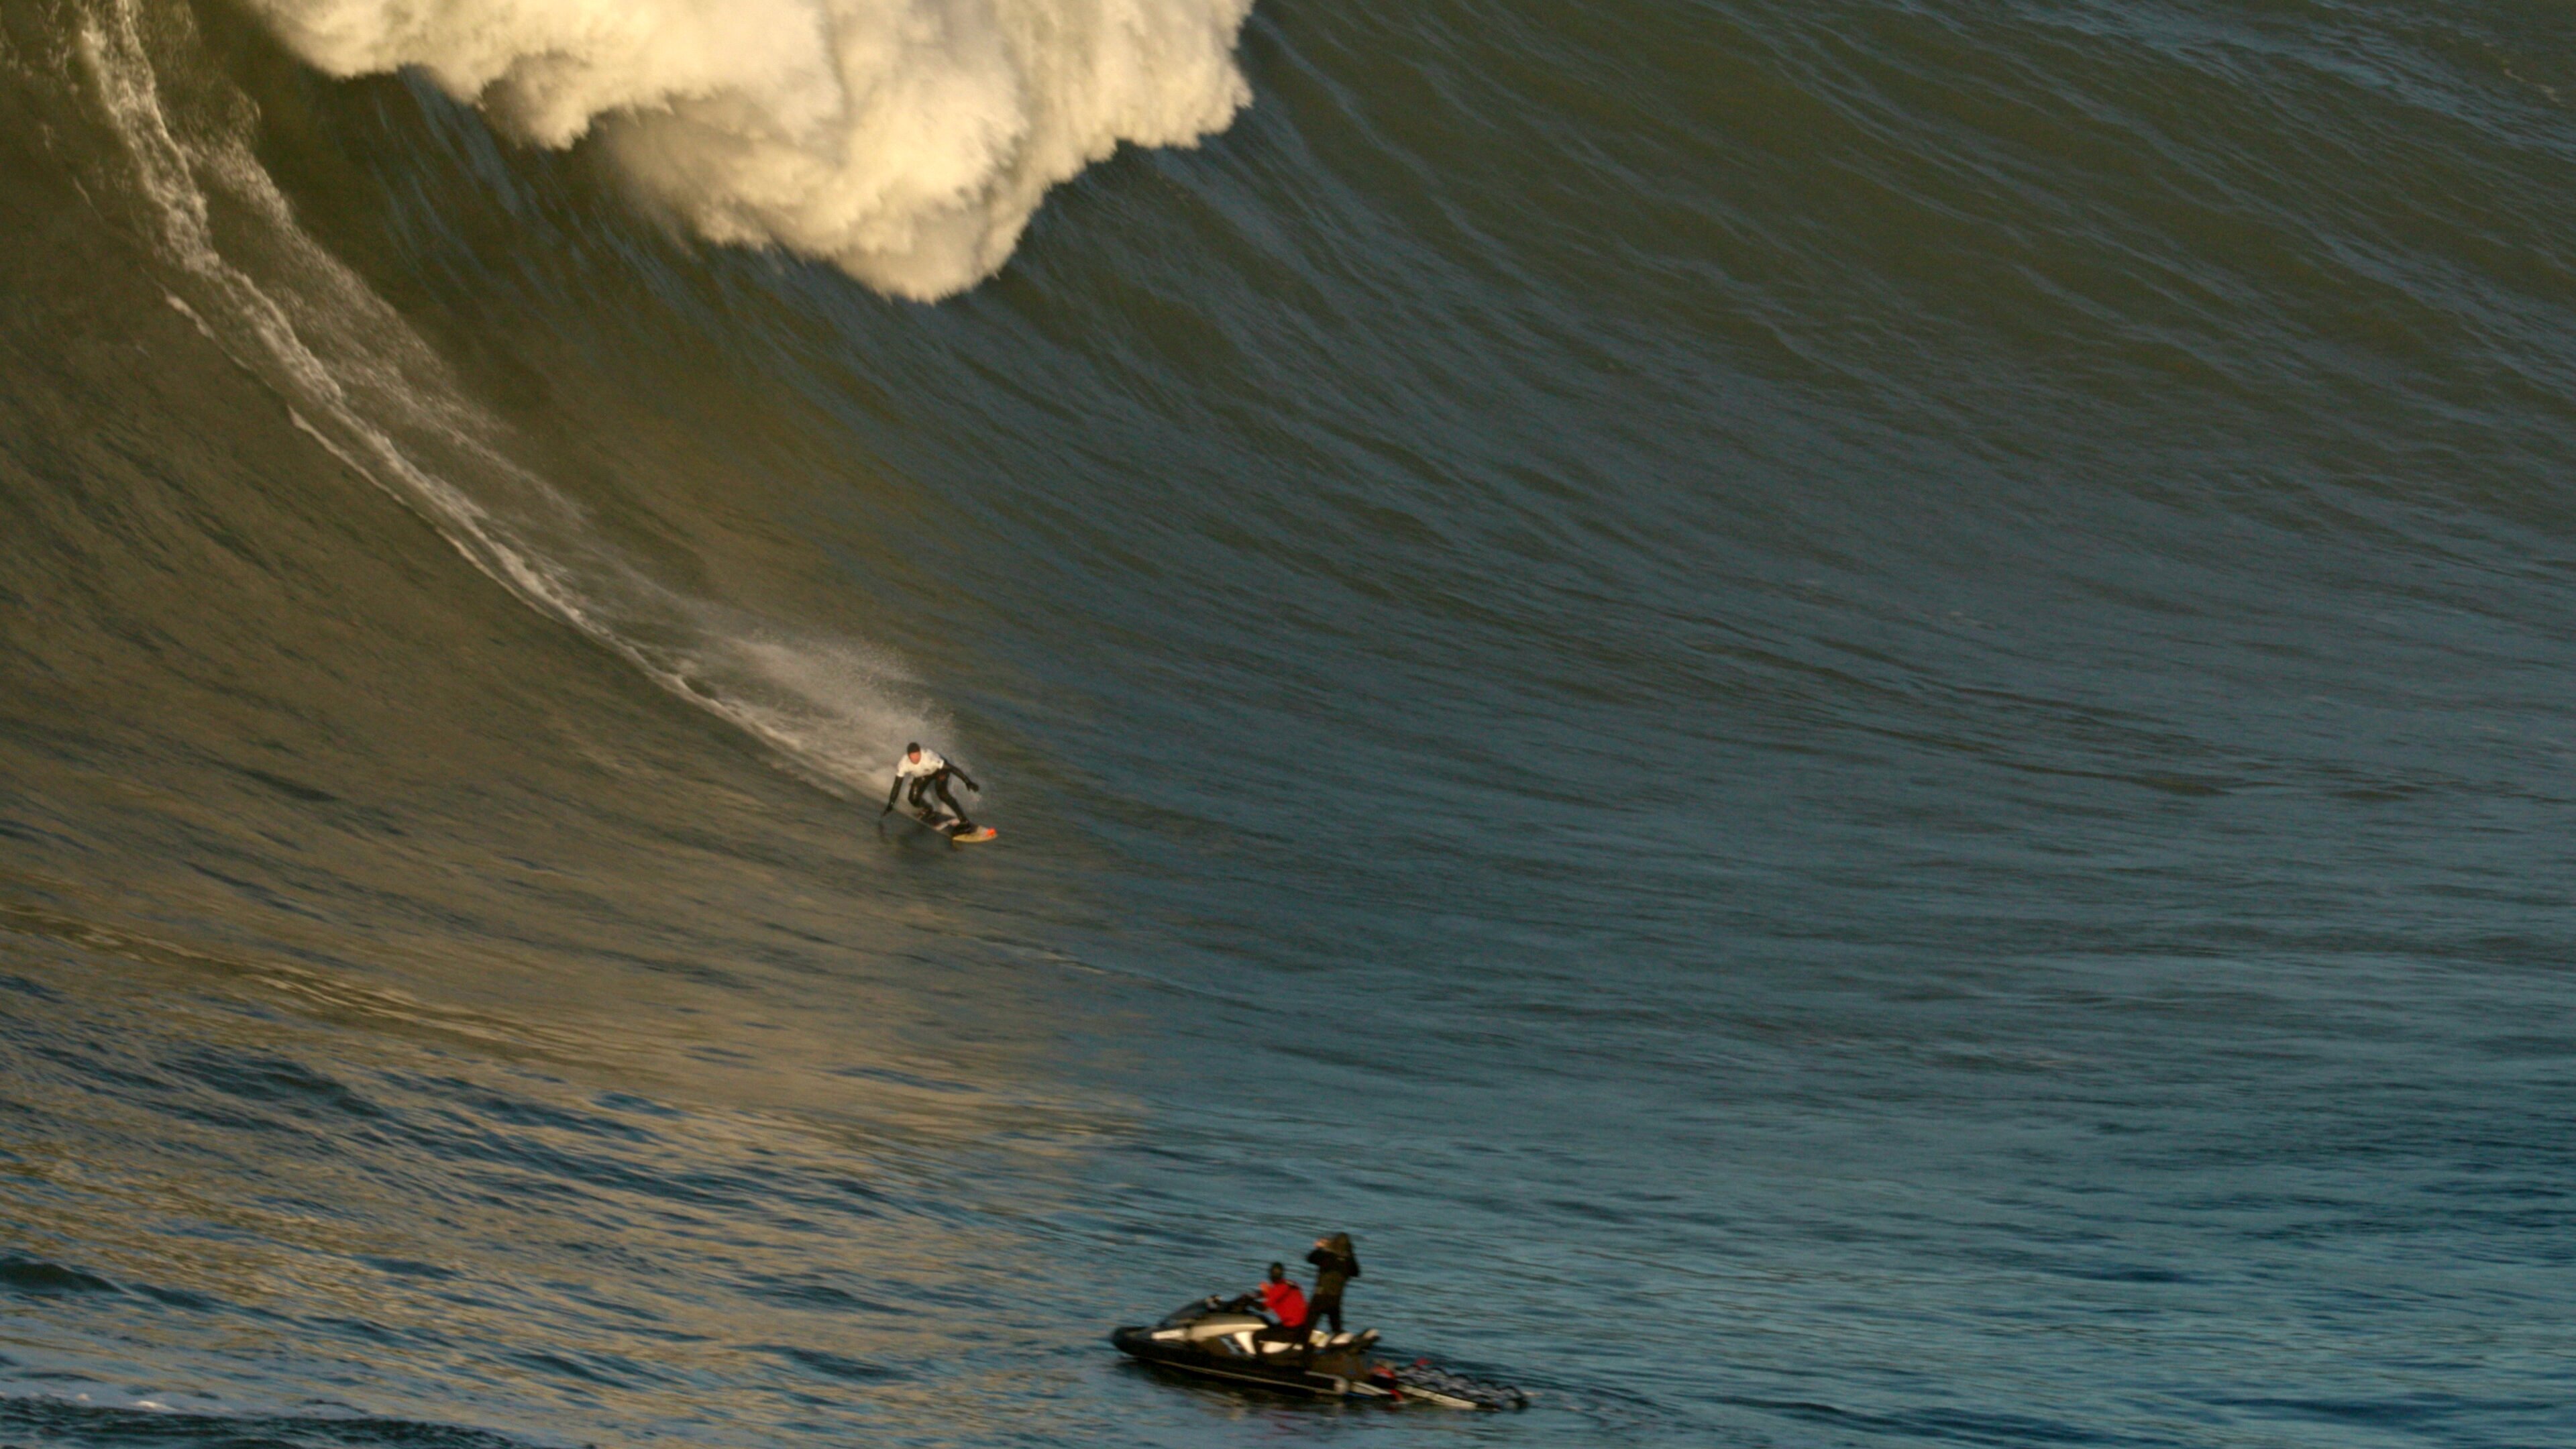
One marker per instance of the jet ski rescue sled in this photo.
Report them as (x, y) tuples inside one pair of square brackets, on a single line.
[(1214, 1338)]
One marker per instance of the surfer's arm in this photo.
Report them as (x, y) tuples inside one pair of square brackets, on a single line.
[(891, 793), (969, 779)]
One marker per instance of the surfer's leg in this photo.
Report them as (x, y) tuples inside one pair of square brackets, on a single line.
[(949, 799)]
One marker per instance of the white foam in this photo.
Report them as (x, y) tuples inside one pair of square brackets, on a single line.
[(909, 141)]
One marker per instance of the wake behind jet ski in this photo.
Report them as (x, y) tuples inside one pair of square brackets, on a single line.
[(1221, 1338)]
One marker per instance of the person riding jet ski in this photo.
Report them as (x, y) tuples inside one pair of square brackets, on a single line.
[(1285, 1302)]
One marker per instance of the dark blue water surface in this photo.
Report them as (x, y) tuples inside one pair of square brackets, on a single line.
[(1849, 719)]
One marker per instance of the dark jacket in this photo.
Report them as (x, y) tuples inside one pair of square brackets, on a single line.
[(1335, 1265)]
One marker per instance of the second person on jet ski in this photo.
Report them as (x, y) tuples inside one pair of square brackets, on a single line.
[(1336, 1264)]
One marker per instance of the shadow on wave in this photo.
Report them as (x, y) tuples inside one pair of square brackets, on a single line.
[(54, 1421)]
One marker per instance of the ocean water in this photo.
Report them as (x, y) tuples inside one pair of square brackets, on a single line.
[(1851, 719)]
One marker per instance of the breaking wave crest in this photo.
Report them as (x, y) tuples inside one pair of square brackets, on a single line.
[(907, 141)]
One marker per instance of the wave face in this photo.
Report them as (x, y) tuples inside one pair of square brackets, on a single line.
[(1847, 717), (909, 141)]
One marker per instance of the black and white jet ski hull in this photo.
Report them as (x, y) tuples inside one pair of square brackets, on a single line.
[(1285, 1377)]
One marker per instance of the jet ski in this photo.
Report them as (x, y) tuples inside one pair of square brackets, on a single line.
[(1220, 1338)]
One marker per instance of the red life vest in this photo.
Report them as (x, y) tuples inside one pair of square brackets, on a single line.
[(1285, 1302)]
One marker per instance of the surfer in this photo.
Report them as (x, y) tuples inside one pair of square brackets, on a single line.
[(928, 775)]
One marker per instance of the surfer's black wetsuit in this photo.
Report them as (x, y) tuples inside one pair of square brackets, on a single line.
[(936, 783)]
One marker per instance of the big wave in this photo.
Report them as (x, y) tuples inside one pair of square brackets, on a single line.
[(907, 141), (373, 394)]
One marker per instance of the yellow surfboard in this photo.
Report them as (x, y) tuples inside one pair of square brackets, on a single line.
[(940, 823)]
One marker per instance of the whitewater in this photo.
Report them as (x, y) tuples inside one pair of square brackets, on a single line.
[(907, 142)]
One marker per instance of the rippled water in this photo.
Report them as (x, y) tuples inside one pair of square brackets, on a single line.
[(1848, 718)]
